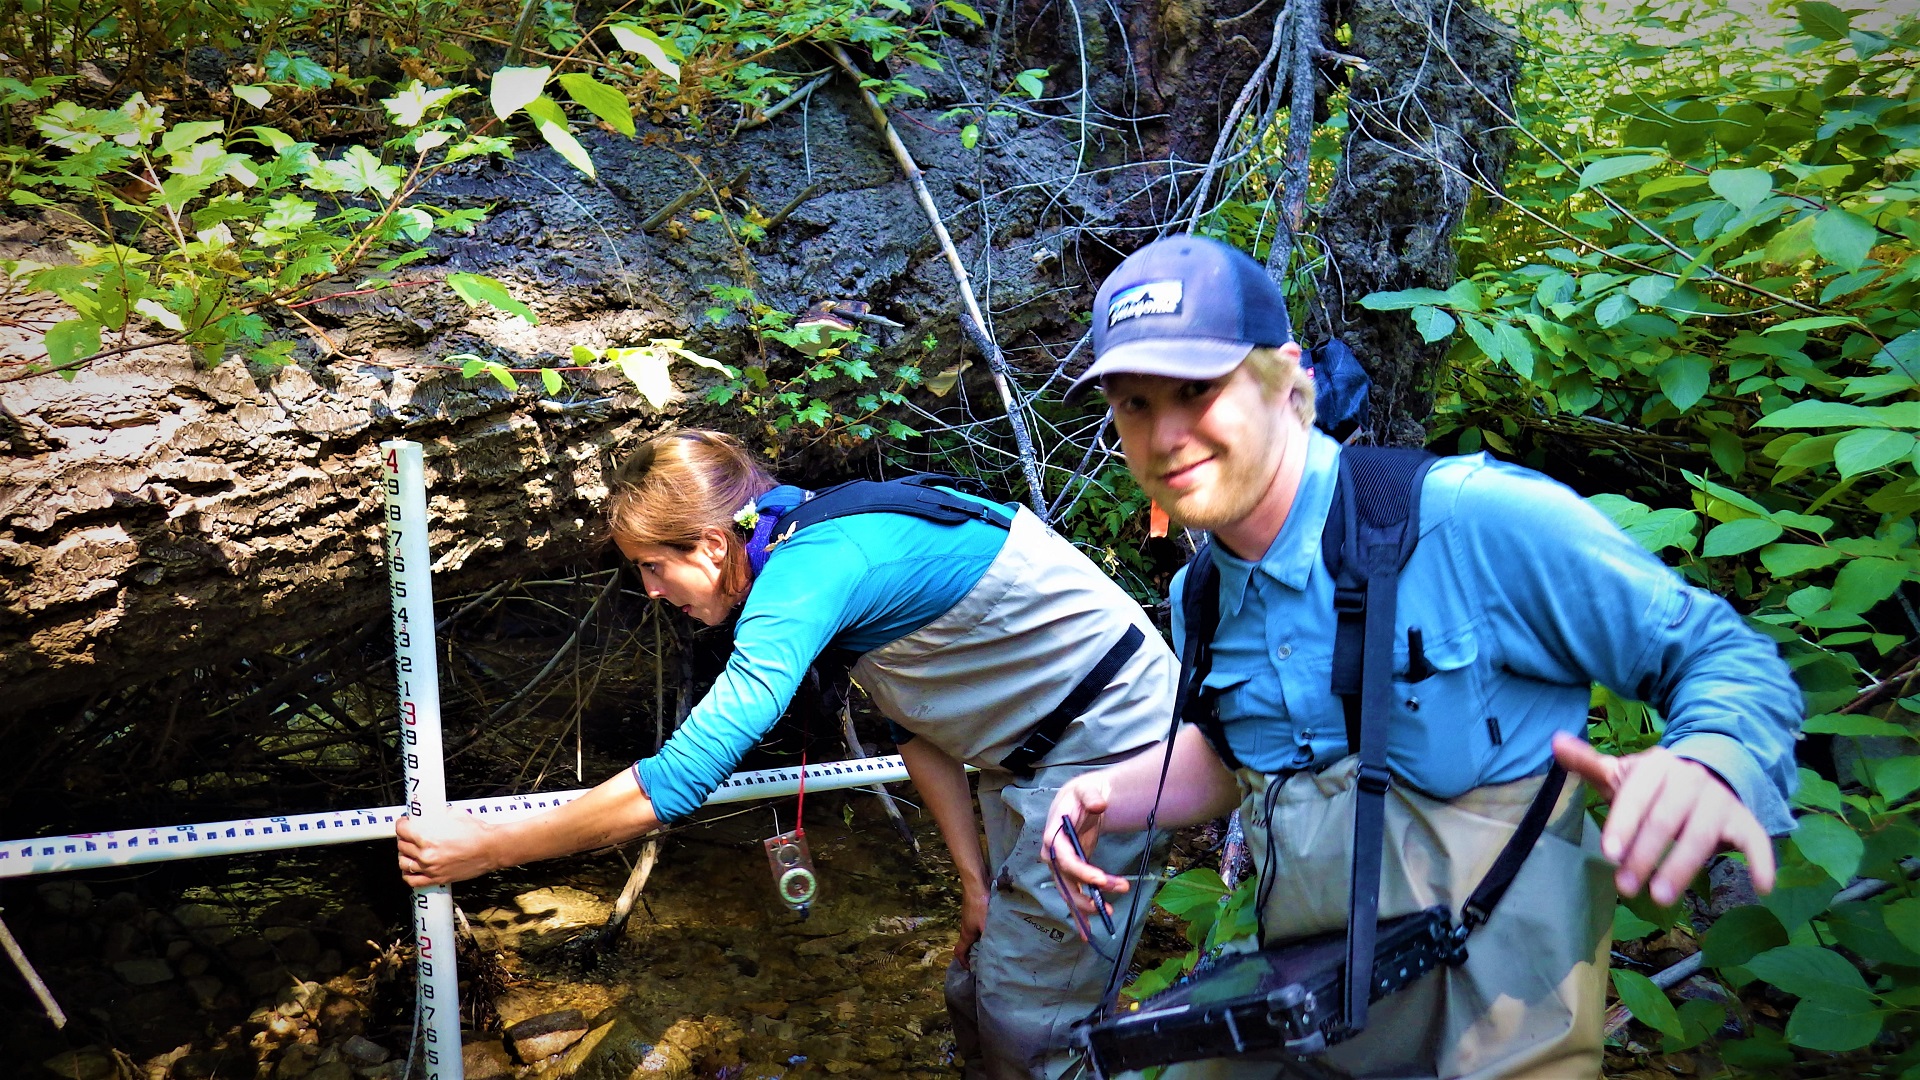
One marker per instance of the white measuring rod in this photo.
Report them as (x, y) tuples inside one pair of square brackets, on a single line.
[(417, 672), (125, 847)]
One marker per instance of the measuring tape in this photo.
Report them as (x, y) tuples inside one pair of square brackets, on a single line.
[(126, 847)]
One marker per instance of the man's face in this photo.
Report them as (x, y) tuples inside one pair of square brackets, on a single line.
[(1206, 450)]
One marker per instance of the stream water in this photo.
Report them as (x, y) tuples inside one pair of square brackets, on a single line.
[(291, 966)]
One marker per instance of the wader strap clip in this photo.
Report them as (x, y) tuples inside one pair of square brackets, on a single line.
[(1046, 734), (1375, 779)]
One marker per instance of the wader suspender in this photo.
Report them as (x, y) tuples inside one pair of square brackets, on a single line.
[(920, 496), (1370, 533)]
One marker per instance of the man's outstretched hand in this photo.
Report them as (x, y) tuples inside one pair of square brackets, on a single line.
[(1666, 805)]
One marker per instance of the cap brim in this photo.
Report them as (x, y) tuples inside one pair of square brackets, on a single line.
[(1173, 358)]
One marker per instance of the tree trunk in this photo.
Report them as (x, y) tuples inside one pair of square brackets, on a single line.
[(156, 517), (1422, 120)]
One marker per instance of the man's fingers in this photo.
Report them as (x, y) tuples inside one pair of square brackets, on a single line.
[(1751, 838), (1698, 840), (1640, 825), (1599, 770)]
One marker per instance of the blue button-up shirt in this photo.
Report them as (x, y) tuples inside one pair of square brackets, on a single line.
[(1525, 595)]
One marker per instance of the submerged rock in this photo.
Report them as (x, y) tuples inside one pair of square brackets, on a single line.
[(540, 1037)]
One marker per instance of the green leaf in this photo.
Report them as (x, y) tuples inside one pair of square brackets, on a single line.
[(656, 50), (1650, 289), (1831, 844), (257, 96), (356, 171), (477, 289), (1630, 927), (1615, 310), (1614, 168), (1872, 448), (1196, 889), (647, 368), (1432, 323), (1744, 188), (1740, 935), (1863, 583), (1819, 414), (1842, 239), (74, 339), (409, 106), (970, 136), (569, 147), (1823, 20), (1685, 379), (964, 11), (1896, 778), (1854, 725), (1788, 560), (1809, 971), (1818, 1024), (1903, 921), (601, 100), (1647, 1002), (504, 376), (1738, 536), (550, 379), (514, 87), (1404, 298), (1030, 81)]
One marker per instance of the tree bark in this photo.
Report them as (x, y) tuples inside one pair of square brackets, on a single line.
[(1421, 123)]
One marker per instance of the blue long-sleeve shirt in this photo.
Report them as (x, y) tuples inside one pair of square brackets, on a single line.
[(855, 582), (1525, 595)]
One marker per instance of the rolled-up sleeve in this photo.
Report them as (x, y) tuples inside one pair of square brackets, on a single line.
[(1575, 599)]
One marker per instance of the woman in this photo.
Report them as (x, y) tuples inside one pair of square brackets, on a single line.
[(973, 633)]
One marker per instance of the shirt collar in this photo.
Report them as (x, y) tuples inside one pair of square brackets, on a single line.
[(1289, 559)]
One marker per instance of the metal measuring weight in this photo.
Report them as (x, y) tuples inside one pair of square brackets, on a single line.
[(792, 867)]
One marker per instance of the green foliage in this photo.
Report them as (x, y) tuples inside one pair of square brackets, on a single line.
[(201, 229), (1214, 918), (1703, 266)]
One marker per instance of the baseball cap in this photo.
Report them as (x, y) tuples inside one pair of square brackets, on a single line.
[(1185, 307)]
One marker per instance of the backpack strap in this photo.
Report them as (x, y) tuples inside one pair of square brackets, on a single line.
[(1378, 522), (1200, 612), (919, 495)]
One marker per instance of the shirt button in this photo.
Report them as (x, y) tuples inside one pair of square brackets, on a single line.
[(1283, 651), (1306, 735)]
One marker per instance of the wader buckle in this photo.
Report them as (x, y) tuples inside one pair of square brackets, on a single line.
[(1374, 779)]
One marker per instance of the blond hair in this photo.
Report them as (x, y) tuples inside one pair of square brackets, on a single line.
[(1276, 373), (677, 486)]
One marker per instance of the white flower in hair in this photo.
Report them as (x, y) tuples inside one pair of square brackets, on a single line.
[(748, 517)]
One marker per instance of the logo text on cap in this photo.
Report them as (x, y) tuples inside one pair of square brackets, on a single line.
[(1152, 298)]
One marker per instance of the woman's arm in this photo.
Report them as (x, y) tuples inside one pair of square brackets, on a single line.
[(942, 782), (442, 848)]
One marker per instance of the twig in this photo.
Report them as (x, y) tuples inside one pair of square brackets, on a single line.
[(637, 880), (34, 981), (856, 752), (1300, 116), (972, 323), (562, 651), (784, 104), (793, 204), (660, 216), (1232, 123)]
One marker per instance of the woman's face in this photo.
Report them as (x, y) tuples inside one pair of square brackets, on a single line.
[(689, 580)]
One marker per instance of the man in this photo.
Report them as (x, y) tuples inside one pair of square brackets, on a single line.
[(1519, 594)]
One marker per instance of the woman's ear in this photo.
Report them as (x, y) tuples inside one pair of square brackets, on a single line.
[(716, 543)]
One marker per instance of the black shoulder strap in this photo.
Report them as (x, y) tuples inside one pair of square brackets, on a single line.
[(1199, 602), (1371, 532), (918, 495)]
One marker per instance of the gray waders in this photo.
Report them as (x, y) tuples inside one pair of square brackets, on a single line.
[(978, 682), (1527, 1002)]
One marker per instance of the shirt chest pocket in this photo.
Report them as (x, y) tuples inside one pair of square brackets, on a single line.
[(1439, 740)]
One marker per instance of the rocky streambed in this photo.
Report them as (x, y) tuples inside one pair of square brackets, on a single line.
[(295, 967)]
